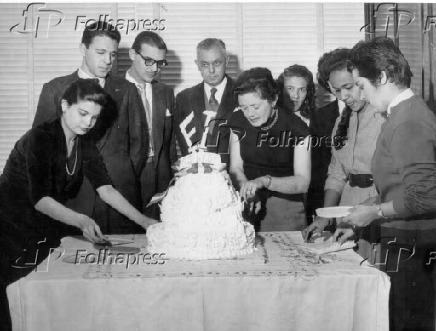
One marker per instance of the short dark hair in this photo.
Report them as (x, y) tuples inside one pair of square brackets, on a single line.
[(208, 43), (148, 37), (100, 28), (85, 90), (335, 60), (297, 70), (372, 57), (258, 80)]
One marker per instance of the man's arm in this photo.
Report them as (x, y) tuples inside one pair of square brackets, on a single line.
[(47, 107)]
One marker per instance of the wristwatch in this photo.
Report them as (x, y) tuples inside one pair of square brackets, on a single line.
[(380, 212)]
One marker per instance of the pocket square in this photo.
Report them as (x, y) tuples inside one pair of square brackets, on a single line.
[(167, 113)]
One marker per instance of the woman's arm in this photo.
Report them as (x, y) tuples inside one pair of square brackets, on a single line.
[(299, 182), (113, 198), (236, 163), (59, 212)]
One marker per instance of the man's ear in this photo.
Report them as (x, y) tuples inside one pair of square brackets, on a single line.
[(132, 54), (383, 78), (64, 105), (227, 60), (196, 63), (82, 48)]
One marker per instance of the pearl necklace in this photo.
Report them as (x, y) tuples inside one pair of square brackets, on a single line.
[(75, 163), (276, 117)]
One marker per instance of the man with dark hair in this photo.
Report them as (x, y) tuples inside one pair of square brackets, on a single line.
[(322, 121), (121, 137), (148, 55), (212, 98)]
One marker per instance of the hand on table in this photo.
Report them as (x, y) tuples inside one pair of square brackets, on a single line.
[(341, 235), (317, 226), (91, 231)]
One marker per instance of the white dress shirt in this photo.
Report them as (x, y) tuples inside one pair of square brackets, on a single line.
[(84, 75)]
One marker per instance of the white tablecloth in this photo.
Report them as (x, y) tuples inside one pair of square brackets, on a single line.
[(281, 286)]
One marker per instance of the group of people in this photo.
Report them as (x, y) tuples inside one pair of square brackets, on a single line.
[(101, 146)]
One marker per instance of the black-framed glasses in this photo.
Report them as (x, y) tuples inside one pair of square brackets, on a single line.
[(149, 62)]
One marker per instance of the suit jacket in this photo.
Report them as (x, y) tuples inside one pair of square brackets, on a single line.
[(322, 122), (164, 143), (192, 100), (123, 141)]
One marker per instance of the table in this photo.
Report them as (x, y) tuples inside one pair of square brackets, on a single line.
[(281, 286)]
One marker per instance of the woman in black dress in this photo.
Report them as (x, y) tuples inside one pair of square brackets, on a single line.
[(45, 168), (269, 155)]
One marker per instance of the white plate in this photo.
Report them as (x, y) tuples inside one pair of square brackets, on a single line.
[(330, 212)]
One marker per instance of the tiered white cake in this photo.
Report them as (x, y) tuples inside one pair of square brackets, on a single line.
[(201, 214)]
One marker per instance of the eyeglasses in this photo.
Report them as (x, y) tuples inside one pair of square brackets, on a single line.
[(149, 62)]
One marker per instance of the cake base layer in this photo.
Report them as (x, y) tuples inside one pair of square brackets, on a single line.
[(201, 245)]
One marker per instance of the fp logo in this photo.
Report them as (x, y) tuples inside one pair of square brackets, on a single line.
[(35, 16), (384, 18)]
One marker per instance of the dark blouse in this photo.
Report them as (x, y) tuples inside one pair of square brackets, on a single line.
[(404, 163), (269, 151), (36, 168)]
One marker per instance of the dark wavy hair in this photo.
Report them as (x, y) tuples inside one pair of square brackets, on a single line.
[(90, 90), (372, 57), (331, 61), (297, 70), (100, 28), (258, 80), (328, 62), (85, 90), (150, 38)]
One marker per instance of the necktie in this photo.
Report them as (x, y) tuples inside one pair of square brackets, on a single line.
[(213, 105), (149, 119), (212, 101)]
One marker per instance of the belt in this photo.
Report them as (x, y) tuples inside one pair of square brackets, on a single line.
[(360, 180)]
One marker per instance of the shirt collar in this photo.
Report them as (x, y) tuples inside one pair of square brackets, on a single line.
[(130, 79), (406, 94), (219, 89), (84, 75)]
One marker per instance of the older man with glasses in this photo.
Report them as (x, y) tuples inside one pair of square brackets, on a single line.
[(195, 105), (148, 55)]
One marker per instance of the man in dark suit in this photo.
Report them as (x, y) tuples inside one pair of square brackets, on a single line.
[(211, 98), (148, 55), (122, 133), (322, 122)]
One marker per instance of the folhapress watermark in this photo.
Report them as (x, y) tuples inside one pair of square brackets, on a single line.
[(383, 16), (129, 25), (39, 20), (105, 257)]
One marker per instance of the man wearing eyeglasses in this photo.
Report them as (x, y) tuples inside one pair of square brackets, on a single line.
[(213, 95), (148, 55), (120, 137)]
